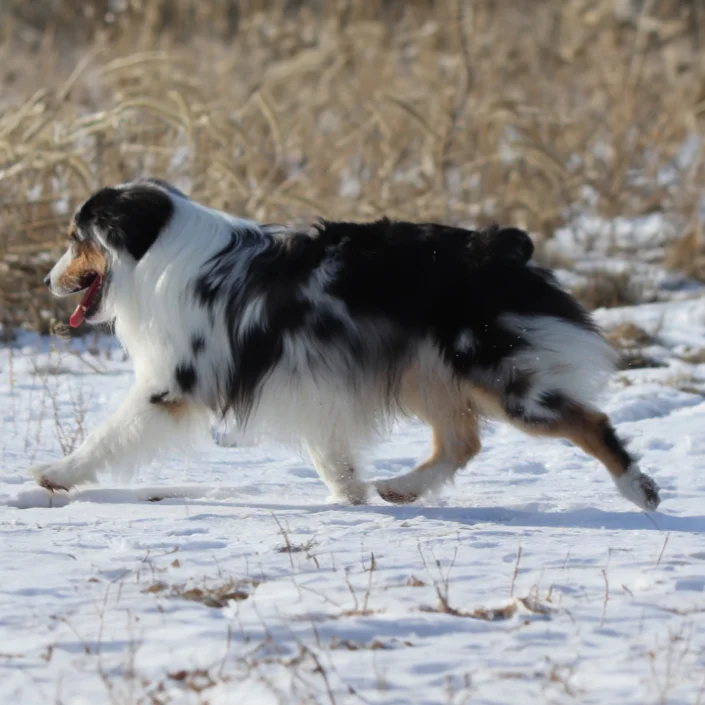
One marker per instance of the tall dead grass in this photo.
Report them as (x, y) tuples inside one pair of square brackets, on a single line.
[(519, 112)]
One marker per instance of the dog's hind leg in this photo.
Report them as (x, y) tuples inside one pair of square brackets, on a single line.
[(428, 393), (592, 432), (144, 425), (336, 468), (596, 437), (455, 442)]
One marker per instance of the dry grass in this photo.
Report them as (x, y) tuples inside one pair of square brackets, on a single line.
[(687, 253), (628, 335), (217, 596), (632, 341), (694, 357), (519, 112), (608, 289)]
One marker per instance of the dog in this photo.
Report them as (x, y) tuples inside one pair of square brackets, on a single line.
[(326, 335)]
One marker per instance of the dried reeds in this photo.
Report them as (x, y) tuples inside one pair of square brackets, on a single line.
[(467, 112)]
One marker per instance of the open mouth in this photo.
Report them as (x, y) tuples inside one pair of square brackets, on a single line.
[(91, 283)]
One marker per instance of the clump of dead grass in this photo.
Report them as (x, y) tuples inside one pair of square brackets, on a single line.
[(628, 335), (217, 596), (608, 289), (521, 113), (632, 342), (687, 253), (694, 356)]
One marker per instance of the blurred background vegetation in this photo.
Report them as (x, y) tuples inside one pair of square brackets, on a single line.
[(529, 112)]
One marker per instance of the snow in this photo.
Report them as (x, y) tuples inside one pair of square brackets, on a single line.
[(108, 597)]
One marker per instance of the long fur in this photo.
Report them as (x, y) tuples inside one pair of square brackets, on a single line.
[(318, 335)]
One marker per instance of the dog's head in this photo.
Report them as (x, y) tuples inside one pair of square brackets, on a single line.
[(115, 224)]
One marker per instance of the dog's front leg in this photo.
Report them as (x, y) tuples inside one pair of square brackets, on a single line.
[(145, 424), (334, 464)]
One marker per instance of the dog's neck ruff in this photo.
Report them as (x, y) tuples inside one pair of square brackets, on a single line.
[(154, 303)]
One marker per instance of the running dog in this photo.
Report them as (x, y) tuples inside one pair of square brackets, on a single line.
[(326, 335)]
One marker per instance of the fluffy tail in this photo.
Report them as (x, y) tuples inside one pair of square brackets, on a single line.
[(560, 362)]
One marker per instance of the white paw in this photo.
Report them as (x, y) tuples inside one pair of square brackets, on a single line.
[(639, 488), (350, 493), (62, 475)]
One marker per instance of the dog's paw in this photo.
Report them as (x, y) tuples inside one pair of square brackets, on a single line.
[(48, 480), (649, 492), (395, 495), (60, 476), (352, 493), (418, 483), (639, 488)]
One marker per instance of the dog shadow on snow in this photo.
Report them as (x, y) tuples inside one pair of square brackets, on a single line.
[(527, 516)]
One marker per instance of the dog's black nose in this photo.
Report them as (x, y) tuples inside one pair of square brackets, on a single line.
[(47, 279)]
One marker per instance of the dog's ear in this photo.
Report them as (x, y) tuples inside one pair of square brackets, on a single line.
[(127, 218)]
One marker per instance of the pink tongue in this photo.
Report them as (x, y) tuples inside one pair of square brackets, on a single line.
[(79, 315)]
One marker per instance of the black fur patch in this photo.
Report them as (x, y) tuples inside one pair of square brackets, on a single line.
[(514, 394), (127, 218), (158, 398), (617, 447), (370, 293), (519, 385), (198, 344), (554, 401), (185, 375), (558, 407)]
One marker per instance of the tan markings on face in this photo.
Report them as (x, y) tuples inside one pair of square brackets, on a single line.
[(87, 258)]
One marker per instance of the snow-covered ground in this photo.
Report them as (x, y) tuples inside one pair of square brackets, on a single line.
[(529, 581)]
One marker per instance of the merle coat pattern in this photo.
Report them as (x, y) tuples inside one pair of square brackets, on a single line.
[(326, 335)]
